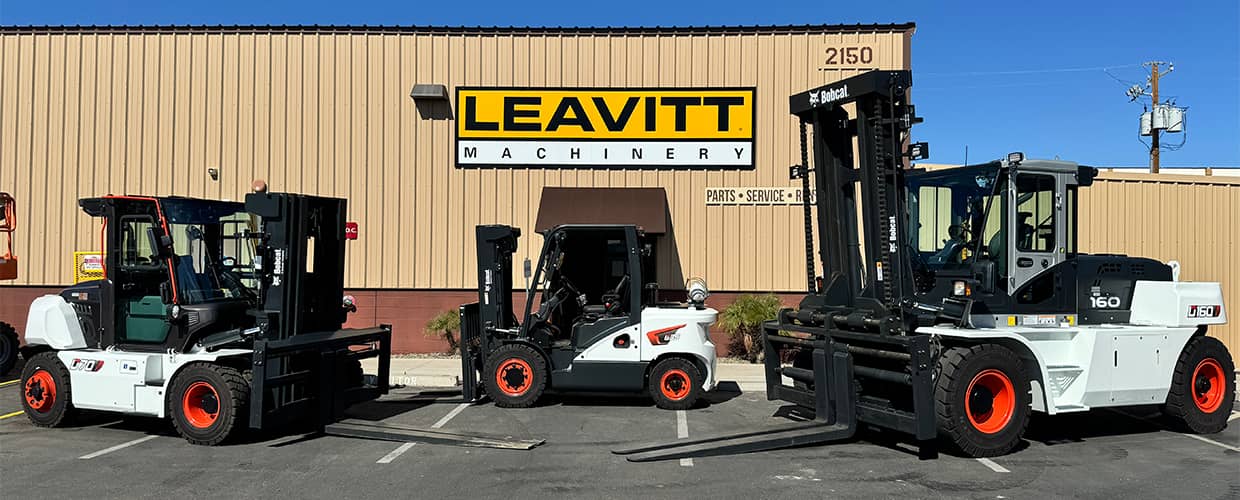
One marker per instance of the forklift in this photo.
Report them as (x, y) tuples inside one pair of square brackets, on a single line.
[(217, 315), (956, 302), (591, 322), (9, 344)]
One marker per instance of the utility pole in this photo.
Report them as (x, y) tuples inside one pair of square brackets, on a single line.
[(1160, 117), (1154, 138)]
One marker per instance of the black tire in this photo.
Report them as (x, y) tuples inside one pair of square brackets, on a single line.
[(981, 399), (8, 347), (209, 403), (515, 376), (46, 396), (674, 384), (1203, 387)]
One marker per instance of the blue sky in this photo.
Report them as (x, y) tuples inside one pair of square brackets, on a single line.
[(993, 76)]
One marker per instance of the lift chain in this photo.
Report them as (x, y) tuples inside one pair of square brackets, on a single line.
[(805, 206)]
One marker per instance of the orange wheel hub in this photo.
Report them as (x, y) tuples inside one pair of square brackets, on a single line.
[(1208, 385), (514, 377), (40, 391), (675, 384), (990, 401), (201, 405)]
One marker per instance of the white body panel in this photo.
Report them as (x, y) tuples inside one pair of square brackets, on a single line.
[(1091, 366), (691, 338), (52, 322), (1177, 303), (128, 382)]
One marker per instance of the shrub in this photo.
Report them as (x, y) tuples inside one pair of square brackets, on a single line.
[(445, 326), (742, 321)]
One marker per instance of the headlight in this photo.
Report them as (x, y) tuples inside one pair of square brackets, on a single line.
[(960, 289), (697, 291)]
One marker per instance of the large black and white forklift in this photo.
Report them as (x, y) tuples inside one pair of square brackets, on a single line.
[(956, 302), (217, 315), (591, 322)]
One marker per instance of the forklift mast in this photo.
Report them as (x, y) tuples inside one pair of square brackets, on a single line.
[(863, 267)]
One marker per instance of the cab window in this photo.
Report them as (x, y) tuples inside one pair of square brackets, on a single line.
[(1035, 213)]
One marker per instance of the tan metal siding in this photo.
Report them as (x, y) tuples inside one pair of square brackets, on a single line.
[(1192, 219), (327, 112)]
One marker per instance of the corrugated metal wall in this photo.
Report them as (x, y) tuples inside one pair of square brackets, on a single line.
[(1192, 219), (85, 113)]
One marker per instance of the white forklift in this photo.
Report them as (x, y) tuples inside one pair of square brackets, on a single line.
[(955, 302), (217, 315), (591, 322)]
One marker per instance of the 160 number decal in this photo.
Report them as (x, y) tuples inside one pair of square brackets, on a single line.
[(849, 55)]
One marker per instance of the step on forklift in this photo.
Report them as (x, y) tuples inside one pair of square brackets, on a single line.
[(956, 301), (9, 345), (591, 322), (218, 315)]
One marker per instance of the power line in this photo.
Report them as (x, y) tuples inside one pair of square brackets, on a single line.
[(1033, 71)]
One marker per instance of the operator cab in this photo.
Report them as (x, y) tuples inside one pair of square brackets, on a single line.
[(1004, 235), (580, 301), (176, 270)]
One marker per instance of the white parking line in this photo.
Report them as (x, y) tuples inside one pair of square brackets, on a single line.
[(1213, 442), (992, 465), (121, 446), (1194, 436), (455, 411), (682, 432), (1234, 415), (387, 459)]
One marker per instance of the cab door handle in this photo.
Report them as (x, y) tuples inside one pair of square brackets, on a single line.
[(1024, 262)]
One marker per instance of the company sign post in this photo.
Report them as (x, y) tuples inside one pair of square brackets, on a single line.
[(700, 128)]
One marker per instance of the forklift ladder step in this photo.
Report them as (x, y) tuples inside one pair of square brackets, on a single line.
[(408, 434), (801, 434)]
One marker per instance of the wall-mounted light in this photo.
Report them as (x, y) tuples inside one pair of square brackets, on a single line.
[(214, 173), (429, 92)]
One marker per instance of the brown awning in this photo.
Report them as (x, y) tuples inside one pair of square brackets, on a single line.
[(643, 207)]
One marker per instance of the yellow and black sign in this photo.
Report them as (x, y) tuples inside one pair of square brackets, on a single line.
[(707, 128)]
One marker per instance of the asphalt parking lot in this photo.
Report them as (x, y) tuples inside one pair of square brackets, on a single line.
[(1112, 454)]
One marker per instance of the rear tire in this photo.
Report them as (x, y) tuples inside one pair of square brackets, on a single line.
[(674, 384), (209, 403), (47, 397), (981, 399), (515, 376), (8, 347), (1203, 387)]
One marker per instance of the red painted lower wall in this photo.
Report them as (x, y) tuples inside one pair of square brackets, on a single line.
[(407, 311)]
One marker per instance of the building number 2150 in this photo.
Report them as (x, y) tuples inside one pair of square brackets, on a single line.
[(849, 55)]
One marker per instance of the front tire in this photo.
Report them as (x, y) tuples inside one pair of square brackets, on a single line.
[(8, 347), (208, 403), (981, 399), (1203, 387), (515, 376), (47, 397), (674, 384)]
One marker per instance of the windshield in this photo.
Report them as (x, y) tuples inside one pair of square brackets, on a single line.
[(947, 212), (213, 251)]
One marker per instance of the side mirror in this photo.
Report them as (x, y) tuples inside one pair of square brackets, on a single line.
[(165, 292), (162, 245)]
